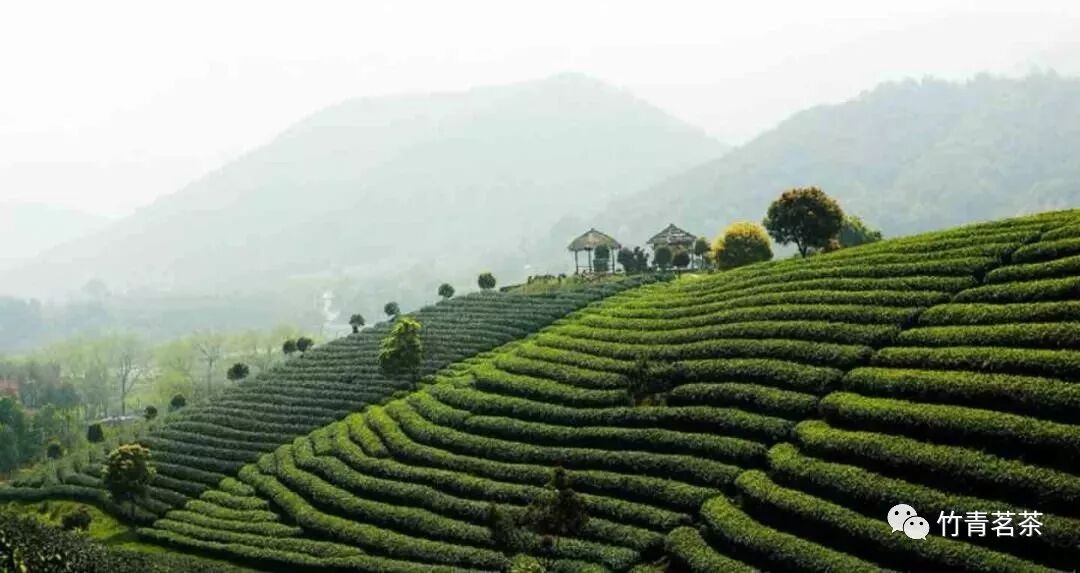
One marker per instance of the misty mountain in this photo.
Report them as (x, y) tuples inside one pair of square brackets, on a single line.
[(377, 187), (27, 229), (907, 157)]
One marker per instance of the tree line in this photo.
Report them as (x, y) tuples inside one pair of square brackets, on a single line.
[(51, 398)]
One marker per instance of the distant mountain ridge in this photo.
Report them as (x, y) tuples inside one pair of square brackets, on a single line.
[(27, 229), (376, 186), (908, 157)]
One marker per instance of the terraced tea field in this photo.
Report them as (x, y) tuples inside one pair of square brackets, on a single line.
[(201, 445), (972, 408), (763, 418)]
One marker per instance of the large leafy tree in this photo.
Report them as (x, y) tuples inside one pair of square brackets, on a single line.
[(446, 291), (741, 244), (854, 232), (127, 473), (486, 281), (289, 347), (356, 321), (401, 353), (304, 343), (806, 217)]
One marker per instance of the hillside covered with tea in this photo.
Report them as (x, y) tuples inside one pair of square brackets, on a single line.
[(764, 418)]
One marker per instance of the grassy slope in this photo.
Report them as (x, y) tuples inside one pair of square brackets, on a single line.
[(196, 448), (820, 393)]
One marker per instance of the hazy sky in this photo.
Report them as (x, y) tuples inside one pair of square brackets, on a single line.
[(106, 105)]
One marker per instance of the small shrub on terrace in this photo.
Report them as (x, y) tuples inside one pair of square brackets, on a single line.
[(662, 256), (647, 382), (94, 434), (78, 519), (178, 401), (681, 259), (509, 536)]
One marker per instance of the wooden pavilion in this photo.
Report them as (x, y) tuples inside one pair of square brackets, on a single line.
[(673, 237), (588, 242)]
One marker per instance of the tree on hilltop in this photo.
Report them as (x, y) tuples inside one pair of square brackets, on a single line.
[(303, 344), (804, 216), (446, 291), (854, 232), (486, 281), (742, 243), (289, 347), (391, 309), (356, 321), (237, 372)]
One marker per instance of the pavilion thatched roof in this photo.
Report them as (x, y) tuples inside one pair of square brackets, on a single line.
[(671, 235), (592, 239)]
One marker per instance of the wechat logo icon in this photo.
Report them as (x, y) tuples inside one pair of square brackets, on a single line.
[(904, 518)]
